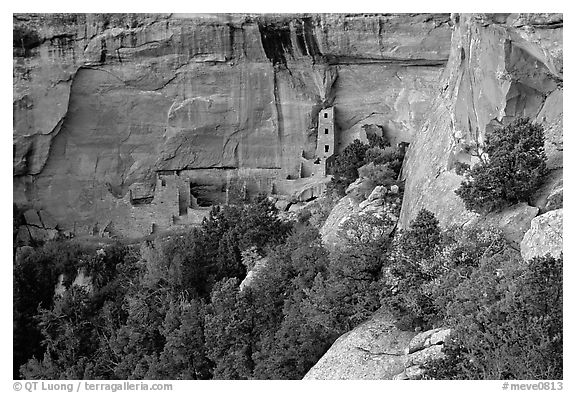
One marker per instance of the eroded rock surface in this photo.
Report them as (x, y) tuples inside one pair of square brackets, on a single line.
[(341, 212), (365, 202), (544, 236)]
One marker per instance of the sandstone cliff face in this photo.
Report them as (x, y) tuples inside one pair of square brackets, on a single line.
[(105, 102), (501, 67)]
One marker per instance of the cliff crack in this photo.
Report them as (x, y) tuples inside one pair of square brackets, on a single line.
[(92, 68), (167, 82), (54, 84), (380, 353), (380, 43), (406, 62), (176, 74), (552, 25), (147, 43)]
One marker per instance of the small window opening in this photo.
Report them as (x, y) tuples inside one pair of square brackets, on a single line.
[(325, 115), (163, 182), (326, 148), (326, 131)]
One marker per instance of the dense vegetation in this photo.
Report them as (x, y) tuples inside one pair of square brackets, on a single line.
[(376, 160), (508, 325), (174, 308), (512, 166)]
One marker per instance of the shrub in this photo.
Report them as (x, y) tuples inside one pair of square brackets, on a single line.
[(376, 140), (413, 265), (350, 291), (423, 238), (511, 168), (347, 163), (381, 175), (345, 168), (386, 163), (393, 157)]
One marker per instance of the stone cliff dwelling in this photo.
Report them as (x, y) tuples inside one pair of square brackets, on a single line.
[(326, 141), (168, 203), (176, 200), (318, 166)]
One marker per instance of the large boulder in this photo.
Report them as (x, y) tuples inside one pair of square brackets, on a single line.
[(423, 348), (379, 192), (513, 221), (555, 200), (544, 236), (360, 189), (376, 217), (373, 350), (377, 349), (338, 215), (428, 338), (282, 204)]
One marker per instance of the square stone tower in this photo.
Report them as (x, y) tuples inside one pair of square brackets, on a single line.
[(326, 141)]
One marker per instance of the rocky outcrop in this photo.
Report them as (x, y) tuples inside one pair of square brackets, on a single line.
[(360, 189), (373, 350), (252, 275), (105, 101), (382, 202), (544, 236), (555, 199), (513, 222), (501, 66), (423, 348), (550, 195), (362, 200), (339, 214)]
